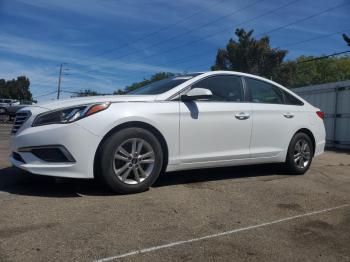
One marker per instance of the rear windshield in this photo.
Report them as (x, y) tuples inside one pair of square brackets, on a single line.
[(162, 86)]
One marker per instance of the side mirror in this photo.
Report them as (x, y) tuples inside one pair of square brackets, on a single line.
[(197, 93)]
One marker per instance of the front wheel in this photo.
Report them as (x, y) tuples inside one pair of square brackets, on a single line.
[(300, 154), (130, 160)]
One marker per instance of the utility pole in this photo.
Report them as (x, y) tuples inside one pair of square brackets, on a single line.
[(59, 82), (60, 79)]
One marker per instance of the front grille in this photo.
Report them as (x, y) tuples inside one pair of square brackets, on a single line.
[(20, 118)]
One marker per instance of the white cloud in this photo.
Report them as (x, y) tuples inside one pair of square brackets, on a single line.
[(105, 9), (42, 67), (55, 53)]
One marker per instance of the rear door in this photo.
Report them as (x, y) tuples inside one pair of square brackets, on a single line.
[(273, 120), (217, 129)]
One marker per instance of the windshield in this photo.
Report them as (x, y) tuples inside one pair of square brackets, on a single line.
[(162, 86)]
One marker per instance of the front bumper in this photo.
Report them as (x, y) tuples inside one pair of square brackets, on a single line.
[(79, 142)]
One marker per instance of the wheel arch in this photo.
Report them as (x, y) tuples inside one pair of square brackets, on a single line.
[(139, 124), (310, 134)]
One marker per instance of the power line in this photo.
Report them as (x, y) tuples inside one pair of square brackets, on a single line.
[(293, 43), (252, 19), (208, 36), (106, 74), (206, 64), (305, 61), (249, 20), (239, 24), (180, 21), (46, 94), (181, 61), (185, 33), (306, 18), (315, 38), (323, 57), (275, 29)]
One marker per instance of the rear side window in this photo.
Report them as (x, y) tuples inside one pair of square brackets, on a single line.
[(262, 92), (289, 99), (225, 88)]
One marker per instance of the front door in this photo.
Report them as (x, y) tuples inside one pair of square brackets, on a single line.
[(217, 129)]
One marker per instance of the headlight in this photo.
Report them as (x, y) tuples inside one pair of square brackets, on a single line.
[(69, 115)]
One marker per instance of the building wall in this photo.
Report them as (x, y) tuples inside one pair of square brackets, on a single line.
[(334, 100)]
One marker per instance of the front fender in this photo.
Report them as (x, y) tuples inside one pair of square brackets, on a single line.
[(163, 116)]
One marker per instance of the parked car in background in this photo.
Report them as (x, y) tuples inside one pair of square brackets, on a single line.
[(13, 107), (4, 102), (183, 122)]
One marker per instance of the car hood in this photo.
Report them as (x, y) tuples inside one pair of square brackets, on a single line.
[(95, 99)]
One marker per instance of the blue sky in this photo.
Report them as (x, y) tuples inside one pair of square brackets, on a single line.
[(37, 35)]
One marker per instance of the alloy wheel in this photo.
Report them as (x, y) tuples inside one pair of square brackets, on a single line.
[(133, 161), (302, 153)]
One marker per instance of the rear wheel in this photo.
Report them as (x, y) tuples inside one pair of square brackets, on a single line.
[(130, 160), (300, 154)]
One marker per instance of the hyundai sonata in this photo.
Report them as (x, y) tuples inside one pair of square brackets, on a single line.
[(183, 122)]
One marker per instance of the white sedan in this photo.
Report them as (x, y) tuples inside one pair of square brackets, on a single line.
[(183, 122)]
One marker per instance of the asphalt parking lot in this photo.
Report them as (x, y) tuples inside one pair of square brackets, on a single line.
[(253, 213)]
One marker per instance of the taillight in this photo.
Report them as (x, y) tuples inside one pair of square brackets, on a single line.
[(320, 114)]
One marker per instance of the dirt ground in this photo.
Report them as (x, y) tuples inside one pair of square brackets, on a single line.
[(255, 213)]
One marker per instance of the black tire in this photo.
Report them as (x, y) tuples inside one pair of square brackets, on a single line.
[(107, 161), (297, 167)]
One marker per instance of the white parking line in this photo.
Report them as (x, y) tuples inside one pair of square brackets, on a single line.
[(150, 249)]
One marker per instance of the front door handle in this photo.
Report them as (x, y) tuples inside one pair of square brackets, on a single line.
[(242, 116), (288, 115)]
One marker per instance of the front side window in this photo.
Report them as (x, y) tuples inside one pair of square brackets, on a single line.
[(225, 88), (263, 92)]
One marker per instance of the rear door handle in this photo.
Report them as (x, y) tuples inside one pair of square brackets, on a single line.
[(242, 116), (288, 115)]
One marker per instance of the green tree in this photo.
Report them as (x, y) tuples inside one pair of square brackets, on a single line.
[(250, 55), (153, 78), (319, 71), (16, 88), (87, 92), (119, 92), (286, 74), (3, 89)]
